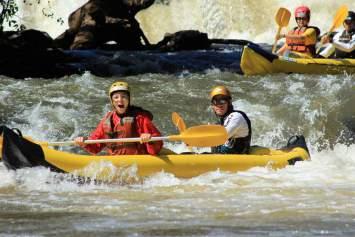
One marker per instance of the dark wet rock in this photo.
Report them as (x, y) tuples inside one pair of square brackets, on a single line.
[(184, 40), (31, 39), (101, 21), (29, 53), (33, 53)]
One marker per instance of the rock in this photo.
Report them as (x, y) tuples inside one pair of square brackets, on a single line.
[(30, 53), (26, 39), (101, 21), (184, 40)]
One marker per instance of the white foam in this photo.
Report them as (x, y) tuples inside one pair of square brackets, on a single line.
[(241, 19)]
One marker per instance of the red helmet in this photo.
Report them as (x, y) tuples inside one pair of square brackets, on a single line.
[(303, 11)]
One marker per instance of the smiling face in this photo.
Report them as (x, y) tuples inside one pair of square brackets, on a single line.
[(120, 101), (302, 21), (220, 104)]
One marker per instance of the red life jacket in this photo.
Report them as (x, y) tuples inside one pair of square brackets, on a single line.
[(125, 128), (299, 45)]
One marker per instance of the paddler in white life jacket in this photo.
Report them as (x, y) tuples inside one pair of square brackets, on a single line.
[(342, 44), (236, 122), (124, 121), (301, 41)]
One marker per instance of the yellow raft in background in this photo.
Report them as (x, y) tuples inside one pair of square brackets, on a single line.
[(257, 61)]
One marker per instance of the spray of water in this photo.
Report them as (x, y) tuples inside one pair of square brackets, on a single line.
[(242, 19)]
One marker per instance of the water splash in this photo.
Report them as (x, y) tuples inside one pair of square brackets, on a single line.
[(46, 15), (242, 19)]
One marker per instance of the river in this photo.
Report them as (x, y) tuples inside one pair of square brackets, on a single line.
[(311, 198)]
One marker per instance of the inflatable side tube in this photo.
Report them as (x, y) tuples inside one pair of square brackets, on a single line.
[(267, 55)]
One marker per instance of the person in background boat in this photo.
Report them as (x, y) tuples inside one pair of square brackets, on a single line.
[(124, 121), (301, 41), (342, 44), (236, 122)]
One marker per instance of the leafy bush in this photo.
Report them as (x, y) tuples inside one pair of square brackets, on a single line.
[(8, 9)]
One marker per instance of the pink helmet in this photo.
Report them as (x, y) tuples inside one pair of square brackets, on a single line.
[(303, 11)]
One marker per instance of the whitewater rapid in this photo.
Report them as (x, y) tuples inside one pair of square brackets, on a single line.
[(311, 198), (237, 19)]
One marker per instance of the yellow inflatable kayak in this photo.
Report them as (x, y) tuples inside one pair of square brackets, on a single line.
[(256, 61), (18, 152)]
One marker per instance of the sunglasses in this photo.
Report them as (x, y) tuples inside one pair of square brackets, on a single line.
[(348, 22), (301, 18), (219, 101)]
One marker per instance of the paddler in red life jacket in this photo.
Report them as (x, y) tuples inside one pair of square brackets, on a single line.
[(124, 121), (342, 44), (301, 41), (236, 122)]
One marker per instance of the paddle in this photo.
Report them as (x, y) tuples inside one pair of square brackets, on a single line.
[(338, 19), (178, 122), (198, 136), (282, 19)]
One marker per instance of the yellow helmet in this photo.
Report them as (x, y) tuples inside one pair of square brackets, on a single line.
[(220, 90), (119, 86)]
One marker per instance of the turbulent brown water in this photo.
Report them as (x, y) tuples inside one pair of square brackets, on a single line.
[(314, 198), (310, 199)]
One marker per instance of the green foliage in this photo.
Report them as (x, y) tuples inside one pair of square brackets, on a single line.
[(9, 9)]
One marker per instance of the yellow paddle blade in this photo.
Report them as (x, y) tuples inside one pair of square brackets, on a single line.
[(203, 136), (282, 17), (339, 17), (178, 122)]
